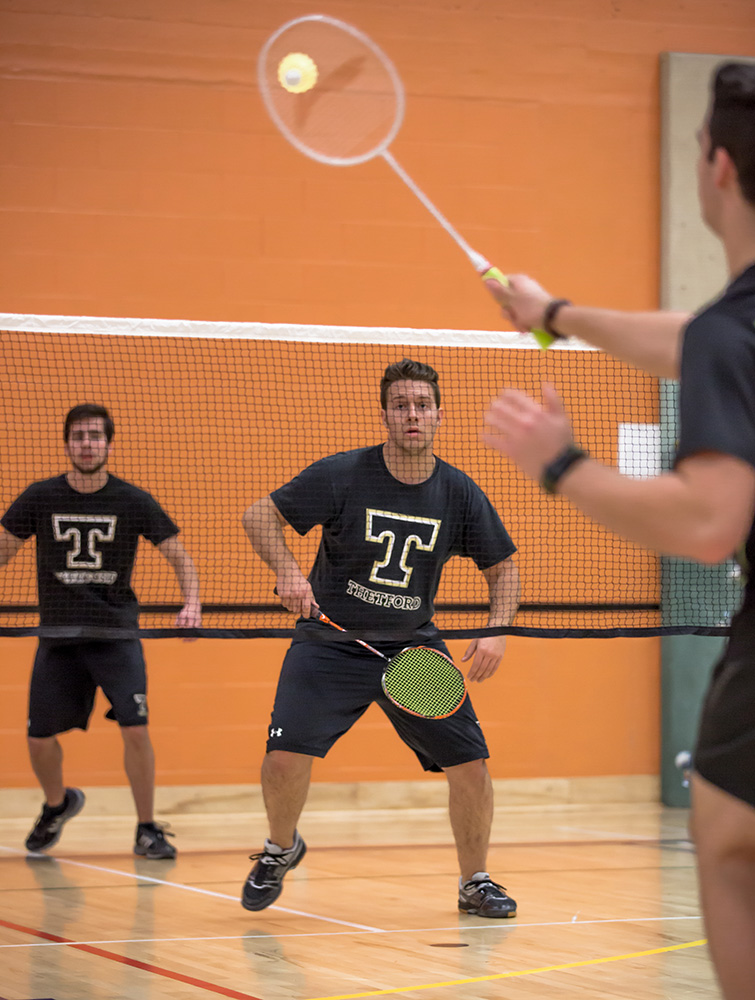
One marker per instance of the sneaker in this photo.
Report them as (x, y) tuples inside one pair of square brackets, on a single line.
[(482, 897), (49, 826), (265, 881), (151, 842)]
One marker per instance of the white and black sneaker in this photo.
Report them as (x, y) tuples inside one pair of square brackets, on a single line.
[(49, 826), (265, 881), (151, 843), (482, 897)]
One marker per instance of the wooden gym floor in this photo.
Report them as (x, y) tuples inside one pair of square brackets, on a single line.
[(607, 900)]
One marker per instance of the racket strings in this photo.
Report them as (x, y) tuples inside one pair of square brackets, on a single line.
[(425, 682)]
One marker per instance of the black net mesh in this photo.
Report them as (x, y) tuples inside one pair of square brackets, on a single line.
[(210, 425)]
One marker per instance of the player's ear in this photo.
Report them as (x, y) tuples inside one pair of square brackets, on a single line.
[(724, 171), (383, 418), (441, 414)]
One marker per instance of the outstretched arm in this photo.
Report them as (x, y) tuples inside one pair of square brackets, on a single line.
[(9, 546), (649, 340), (264, 524), (503, 586), (190, 616)]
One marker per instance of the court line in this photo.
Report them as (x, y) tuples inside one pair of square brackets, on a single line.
[(610, 836), (188, 888), (512, 975), (488, 926), (133, 963)]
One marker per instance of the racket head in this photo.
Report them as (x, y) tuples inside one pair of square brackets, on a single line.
[(424, 682), (330, 90)]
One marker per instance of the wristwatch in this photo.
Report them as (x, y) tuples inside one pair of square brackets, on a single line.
[(553, 472)]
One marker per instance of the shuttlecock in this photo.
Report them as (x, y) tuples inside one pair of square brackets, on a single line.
[(297, 72)]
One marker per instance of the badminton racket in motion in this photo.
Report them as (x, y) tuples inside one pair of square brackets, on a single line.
[(420, 680), (337, 97)]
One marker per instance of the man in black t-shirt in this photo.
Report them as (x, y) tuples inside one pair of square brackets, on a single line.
[(701, 510), (391, 516), (87, 525)]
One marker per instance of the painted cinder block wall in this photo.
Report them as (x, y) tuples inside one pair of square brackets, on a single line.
[(140, 176)]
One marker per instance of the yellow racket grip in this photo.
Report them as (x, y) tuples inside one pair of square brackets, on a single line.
[(543, 339)]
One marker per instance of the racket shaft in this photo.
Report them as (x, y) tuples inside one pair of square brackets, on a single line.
[(321, 616), (481, 264)]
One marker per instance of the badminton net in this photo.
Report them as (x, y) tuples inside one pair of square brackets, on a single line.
[(210, 417)]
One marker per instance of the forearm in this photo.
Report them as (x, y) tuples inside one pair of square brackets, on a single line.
[(188, 579), (660, 513), (649, 340), (503, 594), (183, 566)]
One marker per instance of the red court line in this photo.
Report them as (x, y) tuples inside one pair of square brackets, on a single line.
[(134, 963)]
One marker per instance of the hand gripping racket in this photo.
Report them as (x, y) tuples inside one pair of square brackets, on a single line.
[(420, 680), (337, 97)]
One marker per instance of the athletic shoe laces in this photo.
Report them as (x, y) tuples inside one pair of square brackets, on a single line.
[(272, 859), (486, 886)]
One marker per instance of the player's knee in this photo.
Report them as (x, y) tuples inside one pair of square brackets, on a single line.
[(137, 736), (472, 770), (285, 763), (731, 840), (38, 744)]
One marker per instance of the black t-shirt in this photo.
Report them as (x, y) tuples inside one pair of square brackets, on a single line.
[(86, 545), (717, 388), (384, 543)]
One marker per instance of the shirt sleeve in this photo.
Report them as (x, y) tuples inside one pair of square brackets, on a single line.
[(156, 527), (717, 389), (19, 519), (309, 498), (485, 540)]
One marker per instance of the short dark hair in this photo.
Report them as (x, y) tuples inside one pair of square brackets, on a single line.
[(406, 370), (83, 412), (732, 121)]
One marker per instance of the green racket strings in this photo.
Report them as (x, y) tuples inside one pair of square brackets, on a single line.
[(425, 682)]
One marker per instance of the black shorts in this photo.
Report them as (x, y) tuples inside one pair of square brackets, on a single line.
[(325, 687), (725, 752), (66, 676)]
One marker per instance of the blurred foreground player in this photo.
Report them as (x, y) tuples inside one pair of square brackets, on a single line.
[(701, 510)]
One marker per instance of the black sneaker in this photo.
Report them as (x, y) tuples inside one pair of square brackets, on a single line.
[(151, 842), (49, 825), (482, 897), (265, 881)]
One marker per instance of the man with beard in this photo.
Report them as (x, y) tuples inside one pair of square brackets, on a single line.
[(87, 525)]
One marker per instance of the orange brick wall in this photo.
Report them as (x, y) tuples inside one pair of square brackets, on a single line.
[(140, 176)]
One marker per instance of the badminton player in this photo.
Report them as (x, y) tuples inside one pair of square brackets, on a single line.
[(87, 525), (701, 510), (391, 516)]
